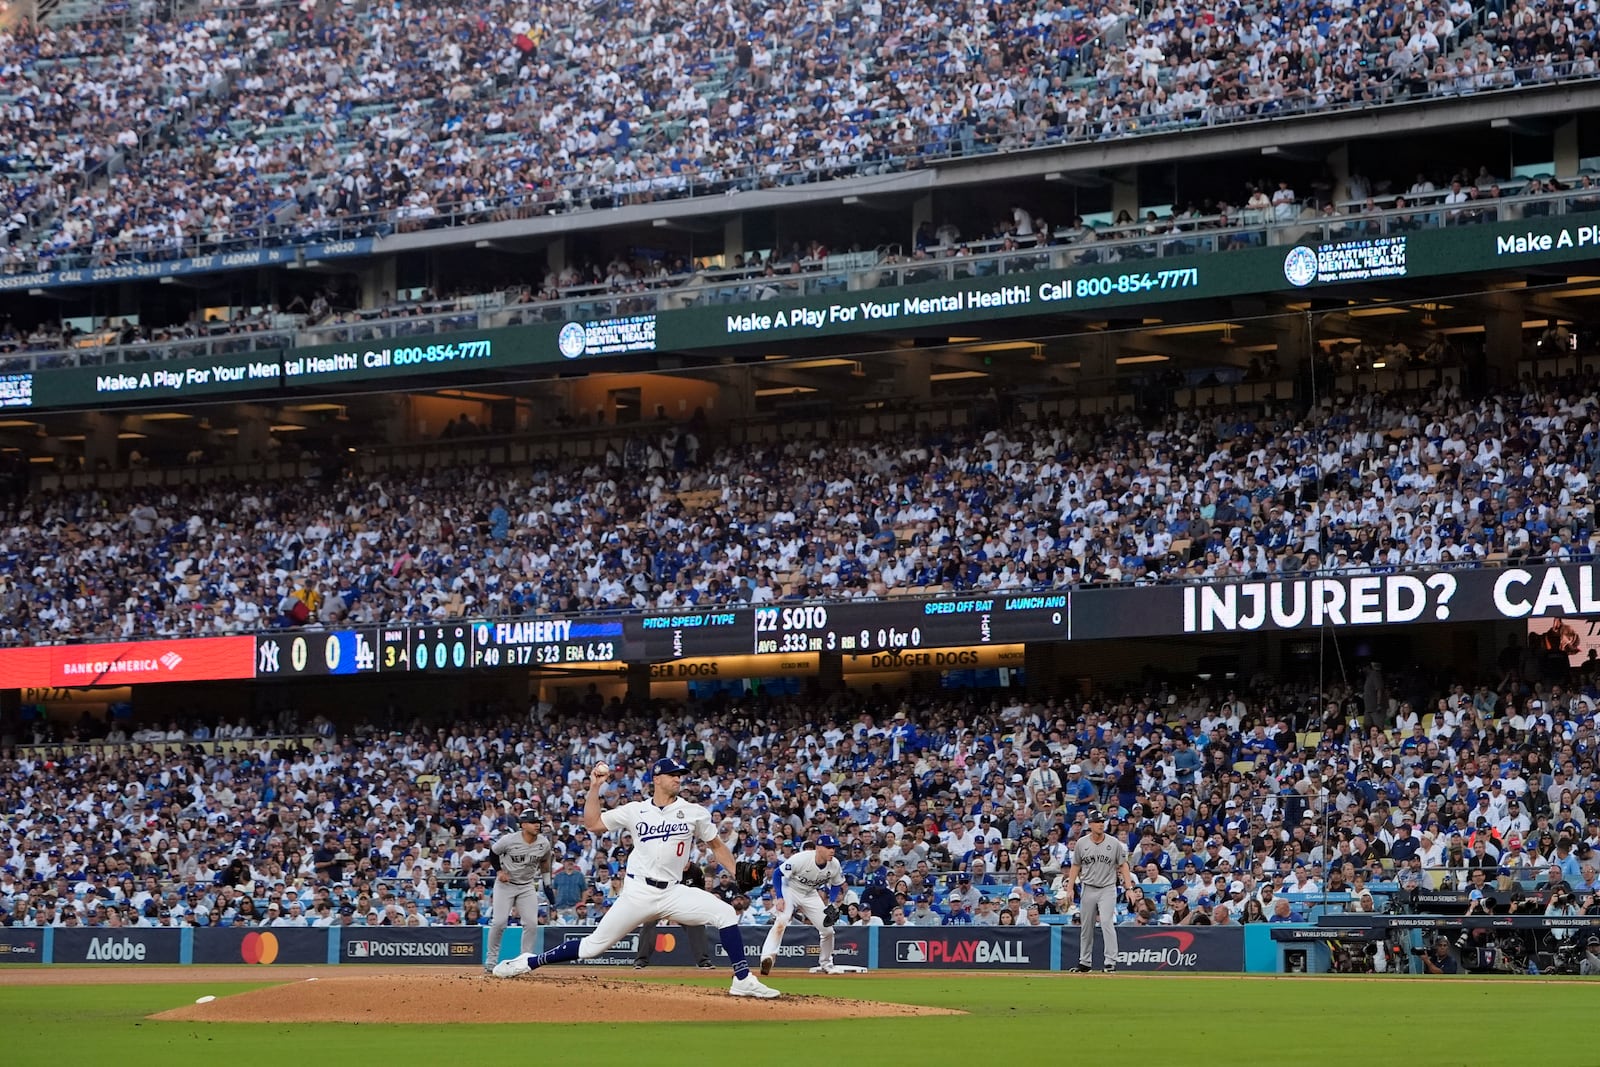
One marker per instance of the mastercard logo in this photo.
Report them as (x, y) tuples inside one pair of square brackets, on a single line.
[(259, 948), (666, 942)]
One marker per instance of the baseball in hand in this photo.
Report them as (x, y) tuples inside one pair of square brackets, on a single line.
[(601, 771)]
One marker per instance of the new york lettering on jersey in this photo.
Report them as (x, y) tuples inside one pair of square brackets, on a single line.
[(1098, 863), (521, 861)]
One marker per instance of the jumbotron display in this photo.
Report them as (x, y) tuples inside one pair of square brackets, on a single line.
[(564, 642), (848, 628)]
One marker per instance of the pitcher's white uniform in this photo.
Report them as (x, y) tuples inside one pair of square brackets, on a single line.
[(652, 888), (798, 883)]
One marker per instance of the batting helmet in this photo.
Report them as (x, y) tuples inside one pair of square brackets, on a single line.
[(528, 815)]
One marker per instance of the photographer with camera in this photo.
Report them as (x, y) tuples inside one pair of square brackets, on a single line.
[(1562, 901), (1591, 956), (1438, 959), (1351, 960)]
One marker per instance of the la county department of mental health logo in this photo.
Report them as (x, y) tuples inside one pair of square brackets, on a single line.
[(1300, 266), (571, 340)]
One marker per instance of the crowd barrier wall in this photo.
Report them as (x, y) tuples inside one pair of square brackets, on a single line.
[(955, 948)]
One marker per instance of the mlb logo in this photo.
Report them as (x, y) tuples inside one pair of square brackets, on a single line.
[(911, 952), (360, 948)]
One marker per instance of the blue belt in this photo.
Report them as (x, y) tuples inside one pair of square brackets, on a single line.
[(652, 882)]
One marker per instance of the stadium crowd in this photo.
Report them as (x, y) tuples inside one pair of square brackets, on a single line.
[(951, 807), (270, 123), (1371, 482)]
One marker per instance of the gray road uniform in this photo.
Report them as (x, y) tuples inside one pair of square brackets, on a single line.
[(525, 866), (1097, 866)]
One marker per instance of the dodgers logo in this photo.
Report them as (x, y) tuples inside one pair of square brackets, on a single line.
[(571, 340), (1300, 266)]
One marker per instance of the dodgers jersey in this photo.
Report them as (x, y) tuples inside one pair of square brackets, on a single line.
[(661, 836), (522, 862), (802, 876)]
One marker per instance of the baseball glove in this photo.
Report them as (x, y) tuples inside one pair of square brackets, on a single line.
[(830, 915)]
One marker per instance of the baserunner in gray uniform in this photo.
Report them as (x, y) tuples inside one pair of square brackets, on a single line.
[(1100, 862), (522, 860)]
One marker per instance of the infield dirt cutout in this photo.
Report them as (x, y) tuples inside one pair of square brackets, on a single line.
[(561, 997)]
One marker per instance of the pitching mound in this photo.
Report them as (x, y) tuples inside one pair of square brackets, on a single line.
[(554, 998)]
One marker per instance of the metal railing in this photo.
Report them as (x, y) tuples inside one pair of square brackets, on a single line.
[(865, 271), (150, 352)]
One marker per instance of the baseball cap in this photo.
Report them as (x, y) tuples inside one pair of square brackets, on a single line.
[(527, 815), (827, 841), (668, 765)]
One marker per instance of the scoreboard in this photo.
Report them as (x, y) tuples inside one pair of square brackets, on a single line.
[(432, 649), (547, 642), (445, 647), (877, 627), (848, 628)]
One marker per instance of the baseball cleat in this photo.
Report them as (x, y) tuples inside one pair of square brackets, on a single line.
[(706, 965), (1083, 968), (639, 965), (1111, 968), (766, 965), (750, 986), (516, 965)]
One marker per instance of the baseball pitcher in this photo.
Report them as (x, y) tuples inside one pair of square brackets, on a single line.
[(797, 883), (1099, 862), (664, 828), (521, 860)]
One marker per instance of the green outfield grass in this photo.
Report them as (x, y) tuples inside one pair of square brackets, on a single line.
[(1194, 1022)]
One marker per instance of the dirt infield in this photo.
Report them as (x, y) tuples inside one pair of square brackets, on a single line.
[(123, 974), (413, 997)]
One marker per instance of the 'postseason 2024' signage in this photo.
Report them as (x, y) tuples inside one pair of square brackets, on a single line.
[(1481, 595), (458, 945)]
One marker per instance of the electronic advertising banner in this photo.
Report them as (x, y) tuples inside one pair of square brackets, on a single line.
[(965, 948), (116, 946), (243, 944), (1163, 948), (21, 944), (449, 945)]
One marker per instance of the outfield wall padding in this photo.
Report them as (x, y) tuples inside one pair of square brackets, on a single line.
[(955, 948)]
